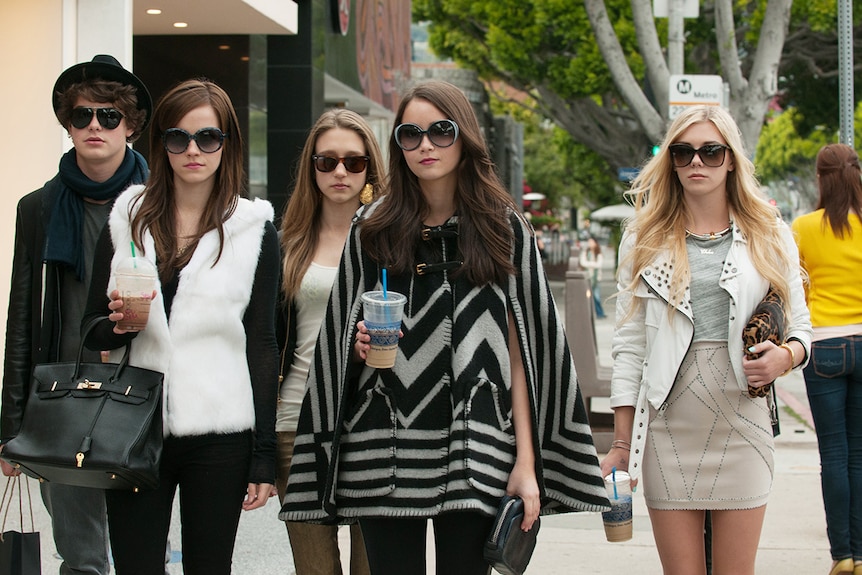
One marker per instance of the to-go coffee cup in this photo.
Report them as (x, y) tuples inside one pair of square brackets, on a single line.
[(382, 316), (136, 280)]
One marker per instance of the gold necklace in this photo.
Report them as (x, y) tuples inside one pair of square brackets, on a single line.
[(181, 249), (710, 235)]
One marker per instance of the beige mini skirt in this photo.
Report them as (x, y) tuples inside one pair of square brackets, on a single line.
[(710, 446)]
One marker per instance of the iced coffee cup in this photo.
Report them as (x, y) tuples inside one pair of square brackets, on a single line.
[(383, 321), (136, 280), (618, 521)]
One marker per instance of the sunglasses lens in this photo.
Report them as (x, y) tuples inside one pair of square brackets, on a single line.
[(81, 117), (109, 118), (681, 155), (408, 136), (209, 140), (442, 133), (324, 163), (355, 164), (712, 156), (176, 140)]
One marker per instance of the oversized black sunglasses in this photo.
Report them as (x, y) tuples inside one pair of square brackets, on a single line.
[(109, 118), (712, 155), (353, 164), (441, 133), (209, 140)]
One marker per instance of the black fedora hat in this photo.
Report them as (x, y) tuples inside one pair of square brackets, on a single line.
[(103, 67)]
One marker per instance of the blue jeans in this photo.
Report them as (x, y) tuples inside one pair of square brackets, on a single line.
[(833, 379), (597, 299), (80, 527)]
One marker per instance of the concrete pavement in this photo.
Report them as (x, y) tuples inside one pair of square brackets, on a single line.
[(793, 541)]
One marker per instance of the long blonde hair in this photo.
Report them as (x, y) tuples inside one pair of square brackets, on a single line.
[(300, 224), (661, 212)]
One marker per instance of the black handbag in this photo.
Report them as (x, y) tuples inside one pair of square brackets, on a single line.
[(91, 424), (509, 549)]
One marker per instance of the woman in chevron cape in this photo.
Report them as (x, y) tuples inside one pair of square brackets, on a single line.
[(483, 399)]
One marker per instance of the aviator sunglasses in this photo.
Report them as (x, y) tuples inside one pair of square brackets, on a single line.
[(712, 155), (353, 164), (208, 140), (441, 133), (109, 118)]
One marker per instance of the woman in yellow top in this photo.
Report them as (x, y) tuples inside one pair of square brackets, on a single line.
[(830, 247)]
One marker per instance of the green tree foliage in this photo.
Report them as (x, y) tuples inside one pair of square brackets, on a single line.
[(556, 165), (782, 153), (549, 49), (784, 156), (809, 76)]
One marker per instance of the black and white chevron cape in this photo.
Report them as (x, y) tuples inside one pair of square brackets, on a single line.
[(434, 433)]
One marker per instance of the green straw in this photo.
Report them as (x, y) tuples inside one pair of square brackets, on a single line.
[(134, 258)]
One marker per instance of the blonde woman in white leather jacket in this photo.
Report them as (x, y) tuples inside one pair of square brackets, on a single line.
[(698, 256)]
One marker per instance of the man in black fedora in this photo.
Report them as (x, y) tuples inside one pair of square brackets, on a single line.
[(103, 107)]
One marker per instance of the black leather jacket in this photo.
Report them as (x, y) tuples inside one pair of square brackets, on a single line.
[(34, 316)]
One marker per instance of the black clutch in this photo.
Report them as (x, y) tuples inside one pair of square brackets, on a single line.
[(91, 424), (508, 548)]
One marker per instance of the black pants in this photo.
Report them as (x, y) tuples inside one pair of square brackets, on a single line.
[(396, 546), (211, 472)]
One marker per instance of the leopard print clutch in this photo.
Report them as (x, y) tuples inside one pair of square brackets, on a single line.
[(767, 323)]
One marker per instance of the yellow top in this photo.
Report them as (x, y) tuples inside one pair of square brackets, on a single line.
[(834, 267)]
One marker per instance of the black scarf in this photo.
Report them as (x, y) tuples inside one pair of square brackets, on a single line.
[(64, 242)]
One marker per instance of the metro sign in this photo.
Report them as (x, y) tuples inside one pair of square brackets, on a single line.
[(694, 90)]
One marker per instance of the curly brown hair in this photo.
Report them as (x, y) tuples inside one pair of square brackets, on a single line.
[(121, 96)]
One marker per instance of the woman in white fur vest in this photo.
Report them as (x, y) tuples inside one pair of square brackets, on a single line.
[(210, 331)]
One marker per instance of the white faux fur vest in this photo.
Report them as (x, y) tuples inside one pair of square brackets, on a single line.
[(202, 351)]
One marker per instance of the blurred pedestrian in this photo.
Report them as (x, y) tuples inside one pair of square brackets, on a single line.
[(592, 260), (830, 248), (211, 331), (482, 400), (699, 255), (103, 108), (340, 168)]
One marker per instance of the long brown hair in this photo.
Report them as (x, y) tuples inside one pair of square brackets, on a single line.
[(157, 208), (840, 182), (300, 224), (390, 235), (661, 211)]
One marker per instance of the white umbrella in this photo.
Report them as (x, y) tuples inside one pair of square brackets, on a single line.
[(614, 212), (533, 196)]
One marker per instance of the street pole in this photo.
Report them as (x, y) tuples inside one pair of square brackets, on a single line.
[(845, 71), (676, 37)]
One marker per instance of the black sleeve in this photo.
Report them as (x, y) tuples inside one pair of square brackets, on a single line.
[(19, 331), (102, 336), (262, 354)]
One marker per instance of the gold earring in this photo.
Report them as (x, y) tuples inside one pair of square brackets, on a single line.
[(367, 194)]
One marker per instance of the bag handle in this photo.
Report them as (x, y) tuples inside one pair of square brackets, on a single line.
[(13, 482), (87, 329)]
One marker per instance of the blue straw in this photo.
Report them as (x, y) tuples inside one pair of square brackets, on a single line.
[(614, 479), (384, 283)]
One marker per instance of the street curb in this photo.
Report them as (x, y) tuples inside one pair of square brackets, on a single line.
[(799, 408)]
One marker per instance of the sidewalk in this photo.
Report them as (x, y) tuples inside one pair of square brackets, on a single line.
[(793, 540)]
